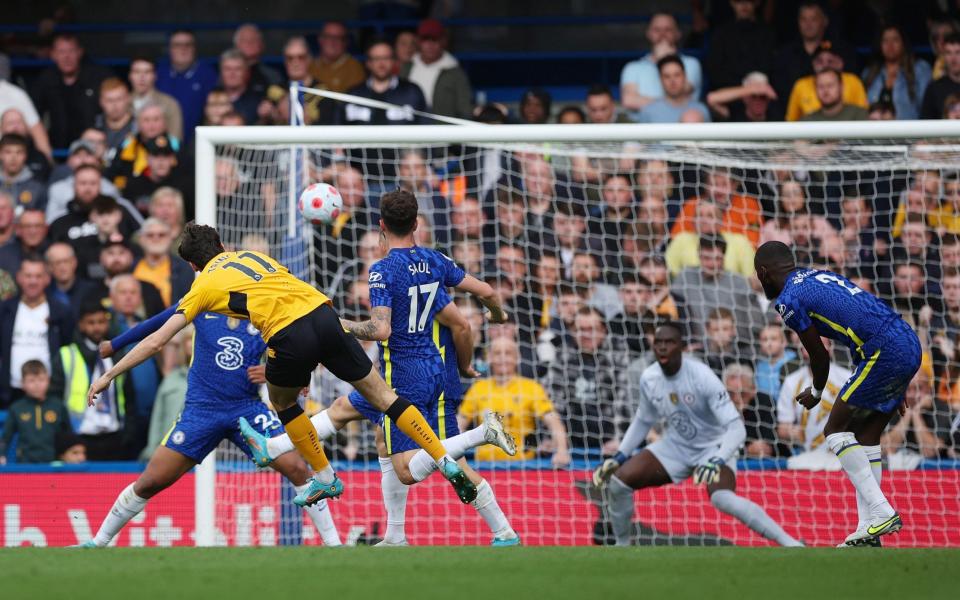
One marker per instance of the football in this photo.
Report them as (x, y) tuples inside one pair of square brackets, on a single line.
[(320, 203)]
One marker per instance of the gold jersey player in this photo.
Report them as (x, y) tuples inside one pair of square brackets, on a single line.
[(301, 329)]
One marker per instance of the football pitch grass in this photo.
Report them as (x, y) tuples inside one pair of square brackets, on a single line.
[(457, 573)]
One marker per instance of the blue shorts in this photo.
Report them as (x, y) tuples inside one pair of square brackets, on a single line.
[(423, 394), (887, 365), (201, 427)]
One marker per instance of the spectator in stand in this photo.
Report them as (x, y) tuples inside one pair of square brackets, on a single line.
[(171, 275), (740, 46), (585, 273), (444, 83), (708, 286), (951, 107), (663, 301), (910, 292), (163, 170), (167, 205), (143, 81), (12, 121), (683, 251), (341, 237), (751, 101), (935, 98), (384, 86), (235, 80), (535, 107), (601, 107), (335, 67), (8, 217), (468, 220), (216, 106), (249, 41), (31, 327), (916, 243), (509, 226), (85, 180), (186, 79), (571, 115), (405, 45), (794, 59), (417, 176), (539, 191), (131, 159), (655, 180), (775, 360), (522, 401), (544, 289), (757, 409), (296, 62), (804, 97), (116, 262), (676, 99), (30, 238), (37, 418), (939, 28), (922, 432), (74, 224), (559, 334), (587, 384), (16, 179), (882, 111), (14, 99), (830, 97), (721, 347), (103, 228), (93, 142), (569, 227), (108, 427), (66, 93), (640, 79), (741, 213), (71, 450), (945, 335), (896, 75), (950, 251), (116, 121), (635, 324), (66, 287), (792, 201)]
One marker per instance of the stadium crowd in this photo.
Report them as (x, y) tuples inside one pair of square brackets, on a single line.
[(587, 252)]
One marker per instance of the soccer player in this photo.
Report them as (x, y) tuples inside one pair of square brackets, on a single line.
[(703, 436), (222, 386), (301, 329), (820, 303)]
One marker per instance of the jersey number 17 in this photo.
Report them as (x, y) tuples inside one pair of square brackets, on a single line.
[(414, 325)]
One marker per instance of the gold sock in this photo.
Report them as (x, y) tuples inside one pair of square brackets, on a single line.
[(304, 437), (412, 422)]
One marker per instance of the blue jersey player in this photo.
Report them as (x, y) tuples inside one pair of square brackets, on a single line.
[(820, 303), (222, 386), (424, 341)]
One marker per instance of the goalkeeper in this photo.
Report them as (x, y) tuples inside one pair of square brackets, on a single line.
[(703, 437)]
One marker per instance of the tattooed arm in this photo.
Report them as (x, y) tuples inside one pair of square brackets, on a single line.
[(376, 328)]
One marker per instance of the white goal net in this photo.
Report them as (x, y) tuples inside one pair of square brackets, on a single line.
[(590, 244)]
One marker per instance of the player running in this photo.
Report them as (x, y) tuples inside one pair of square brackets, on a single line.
[(820, 303), (222, 386), (703, 437), (301, 329), (407, 293)]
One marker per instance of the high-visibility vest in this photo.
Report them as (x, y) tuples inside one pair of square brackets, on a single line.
[(77, 384)]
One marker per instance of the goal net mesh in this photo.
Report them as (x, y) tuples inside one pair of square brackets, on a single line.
[(555, 228)]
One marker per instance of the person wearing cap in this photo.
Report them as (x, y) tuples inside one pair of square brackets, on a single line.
[(803, 98), (163, 169), (445, 84), (751, 101), (335, 68), (131, 159)]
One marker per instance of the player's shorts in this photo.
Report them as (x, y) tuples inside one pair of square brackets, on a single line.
[(423, 393), (680, 461), (201, 427), (318, 337), (888, 363), (443, 419)]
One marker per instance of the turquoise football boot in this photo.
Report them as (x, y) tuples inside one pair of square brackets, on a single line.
[(317, 491), (505, 542), (257, 442)]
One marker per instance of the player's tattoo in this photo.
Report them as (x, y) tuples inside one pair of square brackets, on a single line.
[(375, 328)]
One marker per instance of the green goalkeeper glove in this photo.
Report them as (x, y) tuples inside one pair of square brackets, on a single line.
[(709, 472), (608, 468)]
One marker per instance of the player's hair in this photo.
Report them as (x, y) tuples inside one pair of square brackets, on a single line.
[(670, 59), (33, 367), (13, 139), (91, 305), (775, 255), (719, 313), (199, 244), (398, 209), (671, 324)]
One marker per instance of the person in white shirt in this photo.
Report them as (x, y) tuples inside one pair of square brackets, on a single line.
[(703, 435)]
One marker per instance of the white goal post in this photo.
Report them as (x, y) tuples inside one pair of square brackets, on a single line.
[(732, 137)]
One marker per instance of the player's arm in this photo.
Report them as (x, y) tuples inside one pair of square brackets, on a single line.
[(487, 297), (150, 346), (453, 319), (734, 431), (376, 328), (819, 366), (136, 333)]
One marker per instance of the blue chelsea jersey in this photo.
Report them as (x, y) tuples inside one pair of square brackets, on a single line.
[(223, 349), (453, 388), (834, 305)]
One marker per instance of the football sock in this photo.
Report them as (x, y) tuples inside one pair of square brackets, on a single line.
[(319, 513), (876, 466), (620, 510), (422, 464), (304, 438), (277, 446), (751, 515), (412, 422), (395, 501), (486, 505), (127, 506), (855, 463)]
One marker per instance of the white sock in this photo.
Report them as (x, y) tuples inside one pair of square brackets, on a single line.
[(277, 446), (325, 475), (876, 466), (486, 505), (395, 500), (422, 464), (127, 506), (319, 513), (855, 463), (620, 510), (751, 515)]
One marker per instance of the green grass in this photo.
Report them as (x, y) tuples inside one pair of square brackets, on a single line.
[(459, 573)]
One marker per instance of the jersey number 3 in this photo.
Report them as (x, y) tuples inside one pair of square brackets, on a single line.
[(414, 325)]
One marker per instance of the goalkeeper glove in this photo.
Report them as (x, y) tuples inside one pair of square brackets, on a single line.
[(709, 472), (608, 468)]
